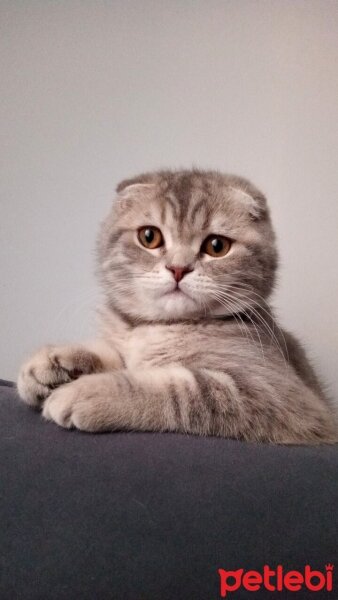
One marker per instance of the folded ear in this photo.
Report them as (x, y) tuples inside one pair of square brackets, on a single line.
[(253, 200), (142, 179), (133, 188), (130, 191)]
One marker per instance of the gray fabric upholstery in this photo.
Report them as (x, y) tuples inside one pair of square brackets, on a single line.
[(143, 516)]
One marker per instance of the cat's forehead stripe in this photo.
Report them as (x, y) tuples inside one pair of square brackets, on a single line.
[(189, 204), (174, 205), (200, 213)]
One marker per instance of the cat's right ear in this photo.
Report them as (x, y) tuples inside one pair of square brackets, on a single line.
[(128, 191), (144, 178), (133, 188)]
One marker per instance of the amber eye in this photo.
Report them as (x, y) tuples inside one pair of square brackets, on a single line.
[(150, 237), (216, 246)]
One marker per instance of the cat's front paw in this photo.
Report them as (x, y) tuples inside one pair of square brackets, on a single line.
[(51, 367), (88, 404)]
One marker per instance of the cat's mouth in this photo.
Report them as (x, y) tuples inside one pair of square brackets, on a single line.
[(177, 291)]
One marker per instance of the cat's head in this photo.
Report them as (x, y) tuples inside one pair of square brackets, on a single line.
[(186, 244)]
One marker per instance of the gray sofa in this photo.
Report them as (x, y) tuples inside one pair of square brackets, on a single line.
[(144, 516)]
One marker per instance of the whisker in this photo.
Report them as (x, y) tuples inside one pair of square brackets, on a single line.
[(255, 327), (234, 314), (238, 287), (268, 329)]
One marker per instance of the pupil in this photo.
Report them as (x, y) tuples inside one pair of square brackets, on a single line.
[(149, 235), (217, 245)]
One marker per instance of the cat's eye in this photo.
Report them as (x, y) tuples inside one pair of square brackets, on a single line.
[(150, 237), (216, 246)]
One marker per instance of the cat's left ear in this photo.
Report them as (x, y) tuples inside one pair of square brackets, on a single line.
[(254, 202)]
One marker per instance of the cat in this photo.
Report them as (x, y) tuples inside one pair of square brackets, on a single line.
[(187, 340)]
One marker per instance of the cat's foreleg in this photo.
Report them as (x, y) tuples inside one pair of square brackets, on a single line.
[(174, 398), (199, 401)]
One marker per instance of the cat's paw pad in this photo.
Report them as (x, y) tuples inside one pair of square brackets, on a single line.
[(51, 367)]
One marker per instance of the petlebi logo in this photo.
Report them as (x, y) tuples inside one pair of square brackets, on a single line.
[(275, 580)]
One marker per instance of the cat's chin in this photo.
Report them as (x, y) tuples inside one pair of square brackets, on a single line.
[(176, 305)]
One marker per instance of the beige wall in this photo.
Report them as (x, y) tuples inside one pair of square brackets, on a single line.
[(93, 91)]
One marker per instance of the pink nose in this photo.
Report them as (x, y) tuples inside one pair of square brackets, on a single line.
[(178, 272)]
